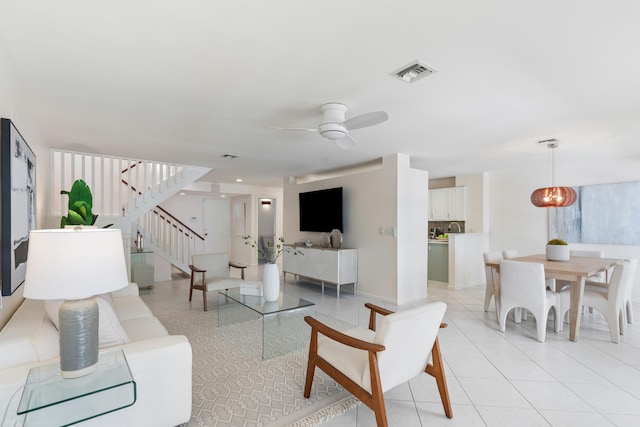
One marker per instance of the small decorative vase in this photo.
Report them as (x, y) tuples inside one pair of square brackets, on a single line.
[(270, 282), (558, 253), (139, 242), (336, 238), (325, 240)]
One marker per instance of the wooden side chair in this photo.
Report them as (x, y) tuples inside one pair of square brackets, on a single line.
[(368, 362), (214, 269)]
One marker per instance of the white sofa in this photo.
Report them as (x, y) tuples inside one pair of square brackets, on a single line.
[(160, 363)]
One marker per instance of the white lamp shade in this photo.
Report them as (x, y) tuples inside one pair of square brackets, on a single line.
[(80, 263)]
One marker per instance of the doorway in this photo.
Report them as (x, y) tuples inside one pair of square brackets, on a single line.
[(217, 226), (266, 228)]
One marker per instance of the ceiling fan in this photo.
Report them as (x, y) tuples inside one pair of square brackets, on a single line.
[(335, 127)]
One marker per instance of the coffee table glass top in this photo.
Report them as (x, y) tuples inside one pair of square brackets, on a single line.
[(259, 305), (283, 326)]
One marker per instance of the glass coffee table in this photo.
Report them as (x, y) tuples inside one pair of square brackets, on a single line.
[(283, 325)]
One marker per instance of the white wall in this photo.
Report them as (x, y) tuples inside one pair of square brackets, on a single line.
[(413, 228), (14, 105), (390, 268), (516, 223), (477, 210)]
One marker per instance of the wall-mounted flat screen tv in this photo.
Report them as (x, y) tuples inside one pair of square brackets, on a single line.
[(321, 210)]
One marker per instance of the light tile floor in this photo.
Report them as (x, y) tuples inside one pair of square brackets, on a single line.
[(495, 379)]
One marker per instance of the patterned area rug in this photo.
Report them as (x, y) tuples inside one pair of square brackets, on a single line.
[(233, 386)]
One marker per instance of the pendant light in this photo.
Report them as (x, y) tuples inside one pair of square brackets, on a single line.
[(553, 197)]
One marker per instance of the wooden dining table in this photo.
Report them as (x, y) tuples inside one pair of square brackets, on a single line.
[(575, 271)]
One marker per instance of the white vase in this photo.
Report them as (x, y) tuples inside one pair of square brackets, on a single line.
[(558, 253), (270, 282)]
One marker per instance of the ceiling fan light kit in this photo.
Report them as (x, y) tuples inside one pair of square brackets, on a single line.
[(553, 197), (335, 127)]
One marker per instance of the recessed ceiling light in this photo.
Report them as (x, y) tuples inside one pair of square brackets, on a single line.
[(238, 179), (182, 193), (223, 195)]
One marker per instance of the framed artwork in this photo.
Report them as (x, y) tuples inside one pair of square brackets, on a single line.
[(18, 181), (604, 214)]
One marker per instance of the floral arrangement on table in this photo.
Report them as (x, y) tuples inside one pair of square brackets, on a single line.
[(271, 252)]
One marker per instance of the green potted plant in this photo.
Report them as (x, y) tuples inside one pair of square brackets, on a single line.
[(80, 205), (558, 250)]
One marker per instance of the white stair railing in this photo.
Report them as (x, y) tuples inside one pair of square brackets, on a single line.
[(169, 236), (127, 192)]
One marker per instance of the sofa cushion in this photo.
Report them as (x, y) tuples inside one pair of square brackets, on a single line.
[(110, 332), (16, 337), (144, 328), (131, 307)]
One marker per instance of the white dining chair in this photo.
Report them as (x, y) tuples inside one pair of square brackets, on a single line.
[(510, 253), (522, 285), (628, 305), (609, 301), (491, 280)]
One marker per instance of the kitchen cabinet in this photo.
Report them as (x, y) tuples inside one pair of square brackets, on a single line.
[(438, 262), (448, 204)]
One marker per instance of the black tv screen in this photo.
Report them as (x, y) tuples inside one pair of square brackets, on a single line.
[(321, 210)]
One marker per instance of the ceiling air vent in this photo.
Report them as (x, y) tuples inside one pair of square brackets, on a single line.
[(414, 71)]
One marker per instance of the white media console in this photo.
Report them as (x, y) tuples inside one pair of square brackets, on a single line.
[(335, 266)]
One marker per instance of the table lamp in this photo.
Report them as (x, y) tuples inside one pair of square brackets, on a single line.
[(75, 265)]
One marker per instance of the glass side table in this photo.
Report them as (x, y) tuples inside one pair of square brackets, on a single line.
[(283, 327), (48, 399)]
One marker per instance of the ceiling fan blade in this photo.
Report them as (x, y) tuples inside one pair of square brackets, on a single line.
[(347, 142), (302, 129), (366, 120)]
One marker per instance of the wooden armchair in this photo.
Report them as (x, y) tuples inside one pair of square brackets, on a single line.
[(368, 362), (214, 269)]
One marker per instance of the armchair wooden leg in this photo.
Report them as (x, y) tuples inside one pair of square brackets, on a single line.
[(436, 370), (204, 296), (377, 397), (311, 363)]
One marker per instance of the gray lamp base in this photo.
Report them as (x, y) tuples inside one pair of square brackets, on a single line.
[(78, 330)]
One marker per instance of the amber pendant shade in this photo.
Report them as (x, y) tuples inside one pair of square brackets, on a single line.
[(553, 197)]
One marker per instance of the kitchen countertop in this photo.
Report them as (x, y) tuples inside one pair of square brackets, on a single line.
[(441, 242)]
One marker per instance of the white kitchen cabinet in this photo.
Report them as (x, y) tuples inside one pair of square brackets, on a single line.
[(336, 266), (448, 204)]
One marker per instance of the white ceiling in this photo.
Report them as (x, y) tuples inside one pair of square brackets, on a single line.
[(188, 81)]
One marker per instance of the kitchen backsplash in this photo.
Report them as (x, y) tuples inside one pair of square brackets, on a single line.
[(443, 226)]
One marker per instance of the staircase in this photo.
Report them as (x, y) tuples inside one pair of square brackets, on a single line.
[(126, 193)]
